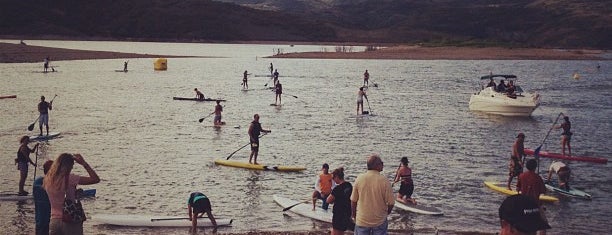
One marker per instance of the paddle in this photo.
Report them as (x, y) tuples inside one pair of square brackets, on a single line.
[(289, 207), (36, 161), (202, 119), (232, 154), (536, 152), (31, 126), (370, 109)]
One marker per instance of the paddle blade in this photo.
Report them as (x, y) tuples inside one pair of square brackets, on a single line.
[(201, 120), (536, 152), (31, 126)]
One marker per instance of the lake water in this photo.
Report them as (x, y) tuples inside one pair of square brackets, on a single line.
[(151, 152)]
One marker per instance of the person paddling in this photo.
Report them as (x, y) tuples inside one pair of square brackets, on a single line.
[(254, 131), (43, 109), (218, 110), (323, 187), (245, 83), (366, 78), (22, 161), (360, 95), (566, 136), (199, 94), (278, 89)]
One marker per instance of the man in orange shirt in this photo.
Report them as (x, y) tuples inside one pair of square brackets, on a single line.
[(323, 187)]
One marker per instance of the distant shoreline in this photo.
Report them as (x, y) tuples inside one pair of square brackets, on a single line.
[(17, 53)]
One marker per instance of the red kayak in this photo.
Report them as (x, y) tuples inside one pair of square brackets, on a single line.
[(565, 157)]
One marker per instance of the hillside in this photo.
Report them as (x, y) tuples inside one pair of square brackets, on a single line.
[(509, 23)]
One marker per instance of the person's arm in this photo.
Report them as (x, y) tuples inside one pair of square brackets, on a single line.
[(51, 105), (35, 147), (331, 198), (189, 212), (251, 133), (353, 210), (397, 176), (549, 175), (93, 176)]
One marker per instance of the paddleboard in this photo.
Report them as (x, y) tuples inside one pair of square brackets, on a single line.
[(240, 164), (15, 197), (195, 99), (418, 208), (123, 71), (216, 125), (44, 137), (155, 221), (501, 187), (8, 96), (600, 160), (304, 209), (571, 193), (275, 104)]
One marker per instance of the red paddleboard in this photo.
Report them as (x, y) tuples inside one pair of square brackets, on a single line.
[(600, 160)]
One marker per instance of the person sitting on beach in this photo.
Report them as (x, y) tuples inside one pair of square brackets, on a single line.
[(199, 94), (404, 174), (323, 187), (492, 84), (197, 205), (501, 87)]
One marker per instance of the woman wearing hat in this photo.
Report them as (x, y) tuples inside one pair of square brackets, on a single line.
[(404, 175)]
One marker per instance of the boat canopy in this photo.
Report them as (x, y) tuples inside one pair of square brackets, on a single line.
[(497, 75)]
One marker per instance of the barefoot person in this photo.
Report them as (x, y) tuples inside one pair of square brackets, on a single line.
[(366, 78), (563, 173), (566, 136), (218, 110), (245, 82), (197, 205), (278, 89), (516, 163), (360, 95), (341, 197), (43, 109), (199, 94), (254, 131), (323, 187), (404, 174), (22, 161)]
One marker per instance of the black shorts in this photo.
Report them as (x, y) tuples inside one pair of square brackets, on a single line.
[(255, 146), (343, 223), (201, 205), (406, 190)]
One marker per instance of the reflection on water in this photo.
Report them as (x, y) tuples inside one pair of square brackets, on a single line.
[(151, 151)]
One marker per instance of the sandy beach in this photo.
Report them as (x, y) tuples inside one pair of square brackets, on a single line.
[(458, 53), (16, 53)]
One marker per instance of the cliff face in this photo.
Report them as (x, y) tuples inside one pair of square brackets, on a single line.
[(539, 23)]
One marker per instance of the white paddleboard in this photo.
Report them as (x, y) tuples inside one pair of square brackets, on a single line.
[(51, 135), (418, 208), (305, 209), (572, 192), (155, 221), (15, 197)]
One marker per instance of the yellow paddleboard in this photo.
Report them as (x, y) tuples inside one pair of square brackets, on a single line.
[(501, 187), (246, 165)]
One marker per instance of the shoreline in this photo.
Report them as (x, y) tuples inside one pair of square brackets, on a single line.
[(17, 53)]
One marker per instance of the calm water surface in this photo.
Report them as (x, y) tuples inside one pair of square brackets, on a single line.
[(151, 152)]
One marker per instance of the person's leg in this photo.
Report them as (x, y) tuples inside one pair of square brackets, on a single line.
[(563, 145), (255, 156), (23, 174), (381, 229), (325, 205), (315, 196), (362, 230)]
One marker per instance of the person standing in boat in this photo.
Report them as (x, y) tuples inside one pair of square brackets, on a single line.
[(197, 205), (199, 94), (278, 89), (366, 78), (566, 136), (218, 110), (43, 109), (516, 163), (22, 161), (245, 82), (254, 131), (360, 95), (404, 174), (341, 197), (323, 187)]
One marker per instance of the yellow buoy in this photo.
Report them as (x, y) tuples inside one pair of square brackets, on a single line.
[(160, 64)]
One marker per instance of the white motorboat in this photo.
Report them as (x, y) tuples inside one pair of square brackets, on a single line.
[(490, 100)]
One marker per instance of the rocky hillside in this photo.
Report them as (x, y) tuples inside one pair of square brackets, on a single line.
[(513, 23)]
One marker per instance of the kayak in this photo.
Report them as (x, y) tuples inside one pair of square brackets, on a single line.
[(418, 208), (247, 165), (44, 137), (501, 187), (8, 96), (304, 209), (569, 193), (195, 99), (155, 221), (600, 160), (15, 197)]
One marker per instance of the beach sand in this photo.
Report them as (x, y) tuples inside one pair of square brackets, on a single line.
[(17, 53)]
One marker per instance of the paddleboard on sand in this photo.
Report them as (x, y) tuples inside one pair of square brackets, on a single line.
[(569, 193), (502, 188), (195, 99), (155, 221), (246, 165), (600, 160), (51, 135), (304, 209), (418, 208), (15, 197)]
